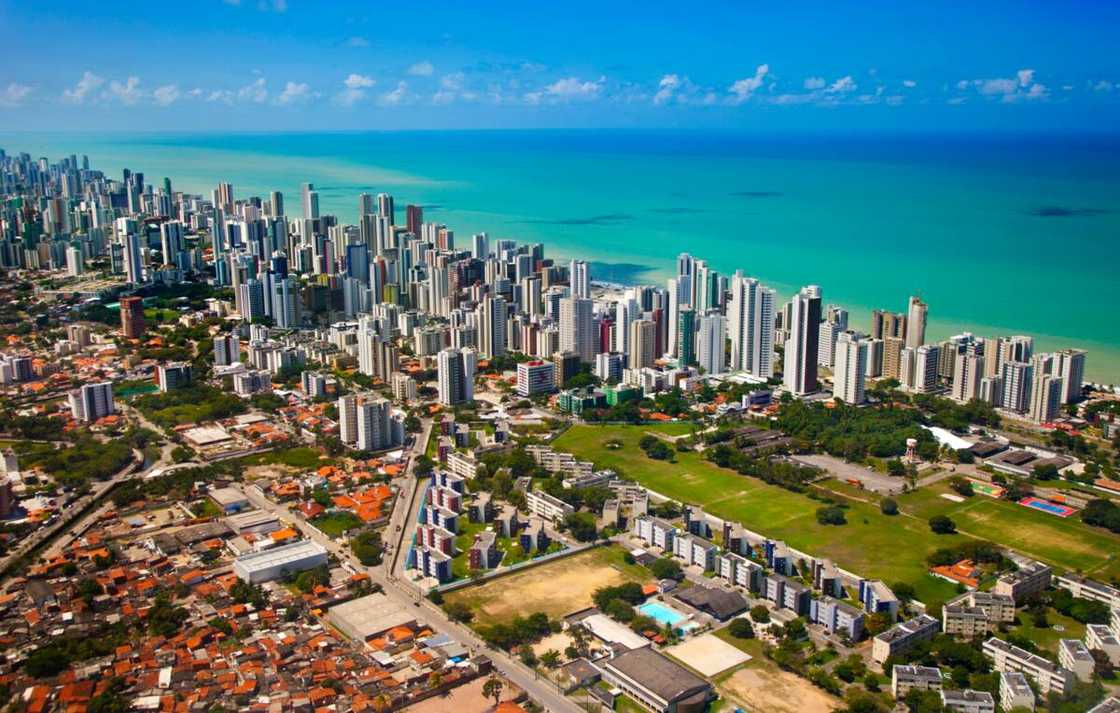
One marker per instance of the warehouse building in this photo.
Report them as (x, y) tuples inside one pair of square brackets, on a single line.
[(279, 561)]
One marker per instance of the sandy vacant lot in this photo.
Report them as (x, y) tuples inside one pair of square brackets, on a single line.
[(557, 588), (467, 698), (708, 654), (776, 691)]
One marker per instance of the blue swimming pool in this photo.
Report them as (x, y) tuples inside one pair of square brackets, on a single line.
[(664, 615)]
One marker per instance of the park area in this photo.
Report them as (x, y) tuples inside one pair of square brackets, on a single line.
[(558, 587), (872, 544)]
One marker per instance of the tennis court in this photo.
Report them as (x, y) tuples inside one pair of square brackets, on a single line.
[(1047, 506)]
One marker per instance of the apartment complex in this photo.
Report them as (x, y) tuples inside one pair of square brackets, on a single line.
[(1048, 676)]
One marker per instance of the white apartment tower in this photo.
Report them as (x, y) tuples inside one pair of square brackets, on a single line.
[(750, 324)]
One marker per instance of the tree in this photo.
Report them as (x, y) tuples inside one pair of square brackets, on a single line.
[(760, 614), (458, 611), (581, 525), (493, 689), (1045, 471), (741, 628), (942, 525), (665, 568), (550, 658), (831, 515), (888, 506), (962, 486), (896, 467)]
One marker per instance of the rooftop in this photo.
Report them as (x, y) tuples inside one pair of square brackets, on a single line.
[(666, 679)]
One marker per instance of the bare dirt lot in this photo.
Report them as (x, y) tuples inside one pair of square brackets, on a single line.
[(775, 691), (557, 588)]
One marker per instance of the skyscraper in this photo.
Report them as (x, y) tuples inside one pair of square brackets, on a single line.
[(686, 336), (579, 277), (492, 317), (348, 419), (968, 370), (1016, 378), (916, 323), (1046, 397), (577, 327), (850, 368), (227, 349), (642, 339), (750, 324), (374, 427), (835, 322), (711, 335), (92, 401), (800, 361), (132, 317), (1069, 364), (310, 202), (133, 259), (455, 370)]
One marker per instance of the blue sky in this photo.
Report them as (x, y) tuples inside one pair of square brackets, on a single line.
[(303, 64)]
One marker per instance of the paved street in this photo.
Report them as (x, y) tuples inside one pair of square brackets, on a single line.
[(406, 595)]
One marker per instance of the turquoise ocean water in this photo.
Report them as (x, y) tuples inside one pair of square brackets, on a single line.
[(1001, 235)]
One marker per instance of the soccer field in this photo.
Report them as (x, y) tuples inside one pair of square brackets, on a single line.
[(871, 544)]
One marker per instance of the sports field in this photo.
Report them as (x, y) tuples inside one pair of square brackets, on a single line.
[(556, 588), (872, 544)]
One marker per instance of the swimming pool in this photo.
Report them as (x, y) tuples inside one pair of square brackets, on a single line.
[(1047, 506), (667, 616)]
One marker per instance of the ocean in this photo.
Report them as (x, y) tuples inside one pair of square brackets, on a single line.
[(999, 235)]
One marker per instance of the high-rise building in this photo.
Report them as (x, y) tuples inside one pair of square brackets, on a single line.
[(227, 349), (643, 336), (132, 317), (492, 328), (579, 278), (173, 375), (348, 418), (455, 369), (750, 324), (577, 327), (835, 322), (874, 358), (133, 259), (680, 297), (1069, 365), (535, 377), (686, 336), (968, 370), (74, 263), (276, 204), (385, 207), (892, 357), (310, 201), (92, 401), (285, 302), (1016, 378), (916, 323), (711, 335), (1046, 396), (850, 368), (375, 430), (887, 324), (800, 360), (919, 368)]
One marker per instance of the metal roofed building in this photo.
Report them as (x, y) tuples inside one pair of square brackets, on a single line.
[(278, 561), (364, 618), (657, 683)]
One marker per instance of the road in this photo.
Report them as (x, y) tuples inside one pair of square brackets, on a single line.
[(404, 594)]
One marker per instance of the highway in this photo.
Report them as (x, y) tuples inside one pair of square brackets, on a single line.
[(405, 594)]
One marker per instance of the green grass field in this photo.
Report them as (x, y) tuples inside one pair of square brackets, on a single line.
[(872, 544), (337, 523)]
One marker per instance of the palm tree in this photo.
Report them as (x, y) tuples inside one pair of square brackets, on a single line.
[(493, 689), (382, 703)]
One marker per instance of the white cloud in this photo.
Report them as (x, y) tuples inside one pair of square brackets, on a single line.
[(997, 86), (221, 95), (358, 81), (235, 3), (277, 6), (355, 89), (813, 83), (127, 92), (1026, 77), (567, 89), (1103, 86), (843, 85), (422, 69), (742, 89), (665, 88), (256, 92), (85, 86), (452, 87), (357, 41), (1037, 91), (167, 94), (294, 93), (396, 96), (14, 94), (909, 83)]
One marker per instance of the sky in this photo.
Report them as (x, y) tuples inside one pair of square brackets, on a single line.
[(266, 65)]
